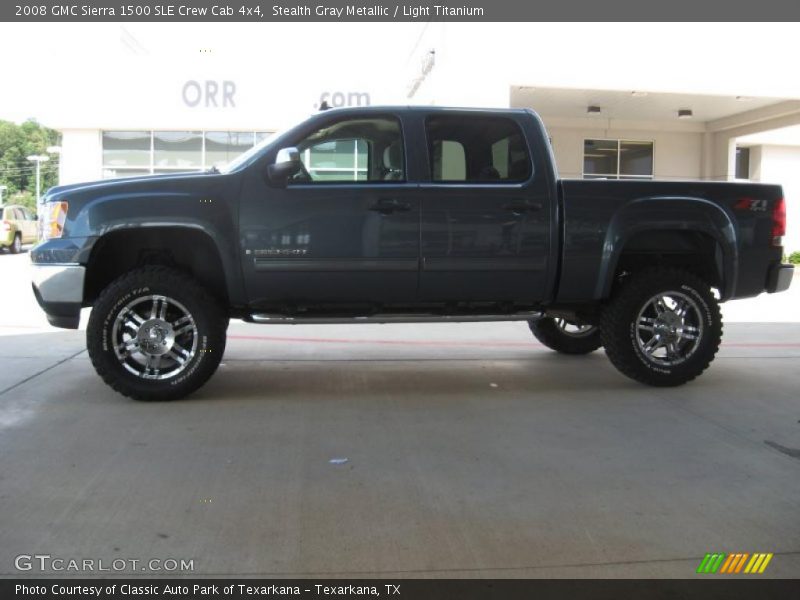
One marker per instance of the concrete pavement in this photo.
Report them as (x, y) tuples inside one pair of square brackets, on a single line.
[(403, 450)]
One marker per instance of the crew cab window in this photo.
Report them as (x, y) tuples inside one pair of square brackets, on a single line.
[(476, 149), (353, 151)]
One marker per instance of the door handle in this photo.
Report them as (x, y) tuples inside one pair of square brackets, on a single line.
[(519, 208), (387, 206)]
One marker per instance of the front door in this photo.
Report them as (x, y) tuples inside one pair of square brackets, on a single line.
[(344, 230)]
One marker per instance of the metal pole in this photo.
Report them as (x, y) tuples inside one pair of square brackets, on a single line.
[(38, 159), (38, 175)]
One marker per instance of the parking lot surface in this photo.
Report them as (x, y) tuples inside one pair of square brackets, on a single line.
[(402, 450)]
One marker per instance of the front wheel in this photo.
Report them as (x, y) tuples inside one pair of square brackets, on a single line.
[(565, 336), (663, 327), (155, 334)]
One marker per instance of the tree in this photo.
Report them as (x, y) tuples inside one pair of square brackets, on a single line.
[(17, 173)]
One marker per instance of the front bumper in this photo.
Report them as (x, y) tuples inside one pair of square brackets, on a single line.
[(59, 291), (779, 278)]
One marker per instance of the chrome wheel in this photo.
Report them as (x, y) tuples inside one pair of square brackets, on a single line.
[(574, 329), (669, 328), (154, 337)]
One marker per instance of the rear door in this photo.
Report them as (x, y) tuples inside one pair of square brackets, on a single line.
[(486, 212), (28, 225)]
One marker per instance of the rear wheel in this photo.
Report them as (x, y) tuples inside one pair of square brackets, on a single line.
[(567, 337), (155, 334), (16, 245), (663, 327)]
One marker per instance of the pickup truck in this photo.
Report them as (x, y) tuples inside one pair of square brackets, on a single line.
[(402, 214)]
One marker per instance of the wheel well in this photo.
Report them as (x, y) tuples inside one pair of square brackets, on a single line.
[(188, 250), (694, 251)]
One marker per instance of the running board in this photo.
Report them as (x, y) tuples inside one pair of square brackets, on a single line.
[(271, 319)]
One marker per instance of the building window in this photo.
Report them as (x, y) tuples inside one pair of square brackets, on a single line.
[(223, 146), (742, 162), (126, 149), (178, 149), (136, 153), (617, 159)]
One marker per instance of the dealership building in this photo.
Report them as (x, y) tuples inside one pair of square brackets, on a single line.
[(657, 123)]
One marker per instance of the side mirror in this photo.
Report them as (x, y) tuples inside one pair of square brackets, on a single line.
[(287, 163)]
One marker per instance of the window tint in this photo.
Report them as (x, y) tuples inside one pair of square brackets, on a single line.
[(353, 150), (477, 149), (449, 161)]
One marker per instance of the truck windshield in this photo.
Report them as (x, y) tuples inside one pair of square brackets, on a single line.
[(244, 157)]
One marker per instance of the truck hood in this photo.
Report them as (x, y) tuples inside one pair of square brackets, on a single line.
[(113, 186)]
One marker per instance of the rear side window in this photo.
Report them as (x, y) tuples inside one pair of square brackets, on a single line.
[(476, 149)]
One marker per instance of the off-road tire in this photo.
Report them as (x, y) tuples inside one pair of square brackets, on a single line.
[(548, 332), (618, 326), (156, 280)]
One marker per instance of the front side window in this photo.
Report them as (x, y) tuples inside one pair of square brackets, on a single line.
[(353, 150), (617, 159), (476, 149)]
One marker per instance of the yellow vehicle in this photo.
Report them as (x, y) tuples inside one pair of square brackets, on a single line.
[(17, 227)]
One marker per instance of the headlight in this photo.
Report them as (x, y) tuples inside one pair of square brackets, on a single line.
[(52, 222)]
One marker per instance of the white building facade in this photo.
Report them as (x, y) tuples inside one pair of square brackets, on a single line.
[(658, 122)]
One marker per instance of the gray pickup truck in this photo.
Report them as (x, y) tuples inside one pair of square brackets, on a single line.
[(402, 214)]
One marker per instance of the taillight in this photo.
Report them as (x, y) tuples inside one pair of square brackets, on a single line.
[(778, 222), (6, 226)]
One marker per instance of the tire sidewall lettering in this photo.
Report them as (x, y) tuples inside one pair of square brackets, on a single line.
[(111, 315)]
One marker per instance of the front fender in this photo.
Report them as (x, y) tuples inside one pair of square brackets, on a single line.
[(201, 211)]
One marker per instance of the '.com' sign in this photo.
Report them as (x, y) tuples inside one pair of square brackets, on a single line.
[(339, 99)]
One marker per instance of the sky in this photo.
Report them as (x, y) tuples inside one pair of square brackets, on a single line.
[(56, 66)]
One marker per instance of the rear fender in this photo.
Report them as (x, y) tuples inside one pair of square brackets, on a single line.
[(669, 213)]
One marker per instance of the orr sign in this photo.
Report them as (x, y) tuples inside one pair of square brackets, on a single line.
[(209, 93)]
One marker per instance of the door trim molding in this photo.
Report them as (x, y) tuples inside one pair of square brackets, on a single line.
[(335, 264)]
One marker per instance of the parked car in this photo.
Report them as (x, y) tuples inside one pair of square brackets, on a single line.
[(17, 227), (385, 215)]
